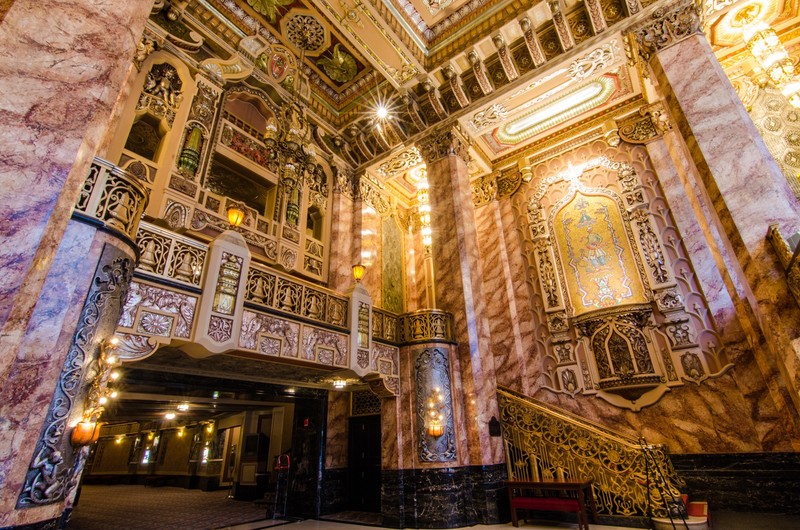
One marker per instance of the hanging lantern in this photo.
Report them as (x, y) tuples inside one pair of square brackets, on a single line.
[(84, 433)]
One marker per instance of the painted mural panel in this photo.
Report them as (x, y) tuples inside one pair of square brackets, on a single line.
[(392, 246), (598, 260)]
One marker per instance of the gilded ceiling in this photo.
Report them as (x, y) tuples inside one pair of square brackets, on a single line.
[(516, 75)]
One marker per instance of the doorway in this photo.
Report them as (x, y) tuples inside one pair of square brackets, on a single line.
[(365, 463)]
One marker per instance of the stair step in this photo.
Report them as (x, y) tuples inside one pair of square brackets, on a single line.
[(692, 523)]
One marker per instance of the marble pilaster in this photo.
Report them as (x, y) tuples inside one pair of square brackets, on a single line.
[(51, 133), (733, 166), (342, 255), (460, 289)]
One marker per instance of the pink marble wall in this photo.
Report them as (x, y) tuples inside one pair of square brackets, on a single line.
[(51, 132), (342, 243), (336, 437), (509, 314), (734, 167), (732, 413), (460, 290), (64, 79)]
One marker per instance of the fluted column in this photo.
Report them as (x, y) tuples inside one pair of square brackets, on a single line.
[(738, 181)]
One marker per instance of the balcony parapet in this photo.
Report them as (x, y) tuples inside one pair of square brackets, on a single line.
[(112, 196), (426, 325)]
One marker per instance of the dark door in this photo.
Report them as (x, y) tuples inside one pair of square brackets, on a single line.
[(365, 463)]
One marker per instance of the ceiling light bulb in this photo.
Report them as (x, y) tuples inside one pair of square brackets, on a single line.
[(183, 407), (382, 112), (170, 415)]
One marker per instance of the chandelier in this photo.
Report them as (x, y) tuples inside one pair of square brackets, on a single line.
[(766, 48), (288, 145)]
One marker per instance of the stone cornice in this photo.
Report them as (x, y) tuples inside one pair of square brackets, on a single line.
[(445, 142)]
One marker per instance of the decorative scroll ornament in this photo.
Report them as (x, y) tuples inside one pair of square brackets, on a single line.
[(668, 25), (495, 113), (341, 66), (404, 161), (146, 46), (652, 123), (479, 70), (204, 104), (445, 143), (56, 466), (588, 65), (484, 190), (532, 42)]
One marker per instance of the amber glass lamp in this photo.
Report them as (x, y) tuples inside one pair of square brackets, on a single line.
[(84, 433), (358, 272), (235, 215)]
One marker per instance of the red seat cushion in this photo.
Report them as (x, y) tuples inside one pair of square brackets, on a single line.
[(557, 504)]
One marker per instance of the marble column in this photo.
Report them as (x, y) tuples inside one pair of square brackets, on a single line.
[(61, 72), (738, 180), (341, 243), (460, 290)]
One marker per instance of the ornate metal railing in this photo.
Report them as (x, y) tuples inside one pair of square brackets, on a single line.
[(543, 443), (426, 325), (112, 196), (788, 260)]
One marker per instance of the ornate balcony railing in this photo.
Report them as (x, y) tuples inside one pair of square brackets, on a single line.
[(169, 255), (268, 289), (426, 325), (385, 326), (543, 443), (112, 196)]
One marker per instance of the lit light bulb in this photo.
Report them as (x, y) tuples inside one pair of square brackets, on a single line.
[(103, 400), (382, 112), (111, 360), (183, 407), (114, 376), (170, 415), (114, 394)]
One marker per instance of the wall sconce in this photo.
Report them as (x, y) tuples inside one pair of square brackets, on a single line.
[(358, 272), (235, 215), (84, 433), (210, 427), (435, 425), (87, 430)]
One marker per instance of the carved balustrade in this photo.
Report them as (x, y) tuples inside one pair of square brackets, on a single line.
[(170, 256), (543, 443), (268, 289), (113, 197), (385, 326), (788, 260), (426, 325)]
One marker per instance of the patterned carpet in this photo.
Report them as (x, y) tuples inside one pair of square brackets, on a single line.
[(139, 508)]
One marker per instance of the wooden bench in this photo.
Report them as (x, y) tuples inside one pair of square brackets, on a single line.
[(553, 496)]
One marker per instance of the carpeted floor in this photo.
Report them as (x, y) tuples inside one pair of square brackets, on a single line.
[(139, 508)]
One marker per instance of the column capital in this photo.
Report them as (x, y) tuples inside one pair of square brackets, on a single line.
[(445, 142), (668, 25)]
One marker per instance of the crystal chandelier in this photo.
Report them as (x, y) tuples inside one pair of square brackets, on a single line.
[(766, 48)]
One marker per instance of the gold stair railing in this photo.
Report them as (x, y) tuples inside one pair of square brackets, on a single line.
[(544, 443)]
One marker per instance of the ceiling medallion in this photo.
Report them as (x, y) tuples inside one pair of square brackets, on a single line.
[(341, 66), (268, 8), (587, 96), (305, 32)]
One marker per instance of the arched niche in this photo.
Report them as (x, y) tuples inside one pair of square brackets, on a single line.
[(618, 322)]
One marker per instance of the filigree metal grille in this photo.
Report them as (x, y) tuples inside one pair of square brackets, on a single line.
[(545, 444)]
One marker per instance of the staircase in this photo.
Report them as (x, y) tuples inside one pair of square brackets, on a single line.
[(630, 478)]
